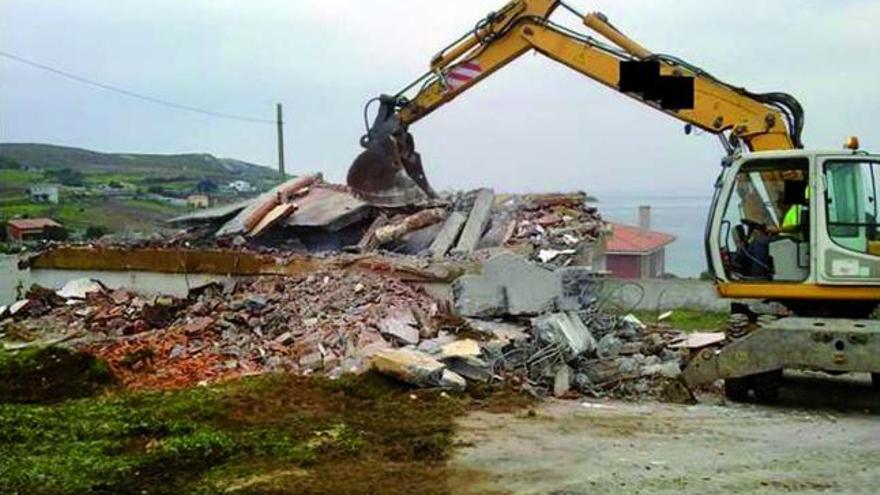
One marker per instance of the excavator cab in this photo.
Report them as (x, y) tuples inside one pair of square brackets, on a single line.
[(789, 225)]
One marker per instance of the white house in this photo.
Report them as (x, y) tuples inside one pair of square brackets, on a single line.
[(241, 186)]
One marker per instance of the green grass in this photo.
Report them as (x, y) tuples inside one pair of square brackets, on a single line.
[(155, 207), (20, 177), (271, 434), (688, 320)]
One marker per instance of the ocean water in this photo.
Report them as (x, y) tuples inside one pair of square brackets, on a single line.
[(682, 216)]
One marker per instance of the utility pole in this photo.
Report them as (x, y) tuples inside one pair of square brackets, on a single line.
[(280, 122)]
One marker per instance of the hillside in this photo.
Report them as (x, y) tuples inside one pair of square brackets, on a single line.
[(186, 166), (117, 192)]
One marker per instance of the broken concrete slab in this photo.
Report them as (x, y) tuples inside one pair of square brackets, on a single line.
[(609, 346), (499, 330), (700, 340), (448, 234), (566, 330), (79, 288), (329, 208), (464, 348), (508, 285), (479, 297), (472, 369), (400, 326), (476, 224), (416, 368), (219, 213), (562, 380)]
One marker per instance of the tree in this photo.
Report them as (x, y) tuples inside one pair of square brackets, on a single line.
[(68, 177), (96, 232), (9, 163)]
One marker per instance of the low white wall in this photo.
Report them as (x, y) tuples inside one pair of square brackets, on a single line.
[(654, 295)]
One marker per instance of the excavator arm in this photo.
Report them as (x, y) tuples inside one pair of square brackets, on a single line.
[(389, 172)]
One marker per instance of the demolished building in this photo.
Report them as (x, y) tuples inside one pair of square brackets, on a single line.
[(310, 279)]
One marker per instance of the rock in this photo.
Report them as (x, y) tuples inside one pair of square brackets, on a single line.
[(609, 346), (566, 330)]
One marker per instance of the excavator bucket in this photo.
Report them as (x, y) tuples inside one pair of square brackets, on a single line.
[(389, 173)]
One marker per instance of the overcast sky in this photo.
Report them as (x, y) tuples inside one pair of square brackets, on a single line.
[(534, 126)]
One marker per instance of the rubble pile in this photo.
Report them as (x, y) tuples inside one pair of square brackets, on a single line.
[(537, 325), (309, 214), (327, 321), (551, 335)]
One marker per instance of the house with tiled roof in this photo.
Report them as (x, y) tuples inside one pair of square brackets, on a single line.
[(637, 252), (31, 229)]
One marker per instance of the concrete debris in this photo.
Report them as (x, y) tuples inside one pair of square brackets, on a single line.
[(79, 288), (417, 368), (567, 331), (511, 285), (401, 326), (307, 214), (465, 348), (422, 219), (476, 224), (562, 381), (448, 234), (700, 340)]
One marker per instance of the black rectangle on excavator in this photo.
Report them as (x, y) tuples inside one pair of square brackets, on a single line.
[(676, 93), (638, 77), (643, 78)]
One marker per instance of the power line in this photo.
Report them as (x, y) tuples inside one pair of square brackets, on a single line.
[(132, 94)]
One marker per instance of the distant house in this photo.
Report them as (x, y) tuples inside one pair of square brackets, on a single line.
[(32, 229), (198, 201), (43, 193), (241, 186), (637, 252)]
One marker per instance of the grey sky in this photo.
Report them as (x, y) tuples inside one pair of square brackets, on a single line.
[(536, 125)]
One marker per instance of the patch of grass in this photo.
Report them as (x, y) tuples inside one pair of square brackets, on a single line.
[(270, 434), (155, 207), (19, 177), (688, 320)]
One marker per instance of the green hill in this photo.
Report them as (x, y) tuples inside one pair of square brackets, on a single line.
[(186, 166)]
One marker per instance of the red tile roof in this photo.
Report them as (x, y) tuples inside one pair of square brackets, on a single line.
[(33, 223), (626, 239)]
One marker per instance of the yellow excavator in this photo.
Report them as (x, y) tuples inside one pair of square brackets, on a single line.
[(790, 226)]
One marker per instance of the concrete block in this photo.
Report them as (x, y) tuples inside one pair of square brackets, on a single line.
[(529, 288), (478, 297), (567, 330), (476, 224), (448, 234), (562, 381)]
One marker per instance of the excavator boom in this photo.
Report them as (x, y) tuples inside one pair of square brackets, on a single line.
[(390, 173)]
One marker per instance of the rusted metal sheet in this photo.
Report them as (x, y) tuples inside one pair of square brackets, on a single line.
[(234, 263)]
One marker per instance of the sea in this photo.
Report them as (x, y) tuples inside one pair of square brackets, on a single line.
[(683, 216)]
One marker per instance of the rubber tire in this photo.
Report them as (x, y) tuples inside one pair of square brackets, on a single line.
[(766, 386), (737, 389)]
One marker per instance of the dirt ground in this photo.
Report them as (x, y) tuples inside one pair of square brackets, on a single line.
[(822, 437)]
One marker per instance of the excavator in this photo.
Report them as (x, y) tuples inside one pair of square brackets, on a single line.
[(788, 227)]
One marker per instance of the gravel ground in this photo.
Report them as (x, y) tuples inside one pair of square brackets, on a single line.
[(822, 437)]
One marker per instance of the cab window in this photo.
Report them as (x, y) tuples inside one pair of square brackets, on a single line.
[(851, 205)]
